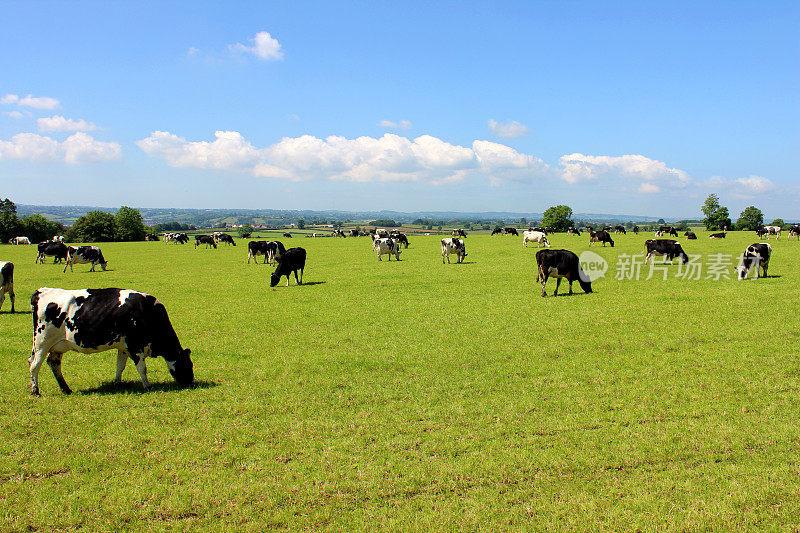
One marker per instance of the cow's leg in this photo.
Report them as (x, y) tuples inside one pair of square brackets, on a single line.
[(544, 282), (301, 276), (764, 265), (36, 360), (570, 286), (141, 366), (54, 360), (558, 282), (249, 255), (122, 359)]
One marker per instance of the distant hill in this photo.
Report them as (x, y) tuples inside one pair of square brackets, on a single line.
[(211, 217)]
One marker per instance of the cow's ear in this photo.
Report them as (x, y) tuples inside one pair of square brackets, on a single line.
[(187, 352)]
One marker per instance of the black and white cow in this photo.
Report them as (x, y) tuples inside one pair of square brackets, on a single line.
[(717, 235), (7, 282), (287, 235), (636, 230), (794, 231), (600, 236), (497, 231), (539, 237), (354, 233), (208, 240), (95, 320), (19, 240), (56, 249), (690, 235), (755, 256), (255, 248), (669, 230), (151, 237), (560, 264), (386, 246), (224, 237), (773, 230), (399, 237), (669, 248), (573, 231), (761, 231), (84, 255), (620, 229), (458, 232), (510, 231), (452, 245), (291, 260)]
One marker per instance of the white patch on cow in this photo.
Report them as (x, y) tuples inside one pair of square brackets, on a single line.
[(123, 295)]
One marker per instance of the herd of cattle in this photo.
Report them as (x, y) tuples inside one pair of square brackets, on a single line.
[(137, 325)]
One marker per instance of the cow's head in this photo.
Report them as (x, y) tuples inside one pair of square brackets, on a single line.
[(274, 279), (181, 368)]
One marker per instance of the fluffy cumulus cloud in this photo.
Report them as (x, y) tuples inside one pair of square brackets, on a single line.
[(362, 159), (402, 125), (755, 184), (77, 148), (264, 47), (36, 102), (651, 175), (507, 130), (59, 123)]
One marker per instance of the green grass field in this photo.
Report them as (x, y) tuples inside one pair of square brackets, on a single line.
[(415, 396)]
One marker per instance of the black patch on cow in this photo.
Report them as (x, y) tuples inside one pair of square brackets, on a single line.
[(54, 314)]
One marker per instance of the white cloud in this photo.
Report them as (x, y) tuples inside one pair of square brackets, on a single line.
[(402, 125), (59, 123), (507, 130), (82, 148), (264, 47), (77, 148), (193, 51), (36, 102), (653, 174), (755, 184), (362, 159), (14, 114), (228, 152)]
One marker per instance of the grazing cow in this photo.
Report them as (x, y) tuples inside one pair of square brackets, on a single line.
[(669, 230), (690, 235), (208, 240), (386, 246), (573, 231), (560, 264), (151, 237), (291, 260), (756, 255), (497, 231), (539, 237), (354, 233), (717, 235), (7, 282), (287, 235), (180, 238), (452, 245), (761, 232), (773, 230), (510, 231), (794, 231), (339, 233), (57, 249), (400, 237), (95, 320), (636, 230), (84, 255), (600, 236), (669, 248), (255, 248), (224, 237), (458, 232), (620, 229), (19, 240)]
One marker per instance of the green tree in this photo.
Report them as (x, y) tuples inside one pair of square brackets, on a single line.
[(245, 231), (301, 224), (750, 219), (778, 222), (130, 226), (9, 224), (37, 228), (558, 217), (717, 216), (94, 226)]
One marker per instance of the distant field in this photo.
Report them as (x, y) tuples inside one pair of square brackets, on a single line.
[(414, 395)]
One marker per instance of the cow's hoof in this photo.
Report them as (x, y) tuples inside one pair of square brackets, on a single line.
[(544, 295), (35, 392), (67, 390)]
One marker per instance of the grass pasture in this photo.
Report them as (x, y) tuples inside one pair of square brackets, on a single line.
[(415, 396)]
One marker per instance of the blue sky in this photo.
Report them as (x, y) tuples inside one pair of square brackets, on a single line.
[(617, 107)]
